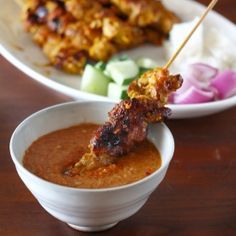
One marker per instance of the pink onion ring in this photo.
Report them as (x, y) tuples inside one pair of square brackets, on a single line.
[(204, 83), (225, 84), (194, 95)]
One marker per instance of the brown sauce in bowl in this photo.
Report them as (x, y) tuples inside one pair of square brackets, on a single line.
[(50, 155)]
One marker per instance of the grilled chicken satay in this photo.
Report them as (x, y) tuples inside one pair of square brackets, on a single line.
[(128, 121), (128, 124), (72, 31), (147, 13)]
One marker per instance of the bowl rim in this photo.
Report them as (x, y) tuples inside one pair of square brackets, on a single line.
[(19, 165)]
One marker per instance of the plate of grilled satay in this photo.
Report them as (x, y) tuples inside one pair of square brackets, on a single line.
[(94, 50)]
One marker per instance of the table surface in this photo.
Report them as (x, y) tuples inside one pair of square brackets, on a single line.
[(197, 197)]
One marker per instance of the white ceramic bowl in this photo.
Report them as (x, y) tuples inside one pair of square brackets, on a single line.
[(86, 209)]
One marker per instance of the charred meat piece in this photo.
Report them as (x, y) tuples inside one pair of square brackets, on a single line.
[(63, 55), (127, 125), (128, 121)]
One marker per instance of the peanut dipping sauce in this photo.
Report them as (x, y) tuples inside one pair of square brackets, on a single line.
[(50, 155)]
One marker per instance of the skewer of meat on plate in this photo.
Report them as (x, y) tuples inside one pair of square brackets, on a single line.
[(72, 32)]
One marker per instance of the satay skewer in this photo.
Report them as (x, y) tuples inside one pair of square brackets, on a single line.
[(153, 89)]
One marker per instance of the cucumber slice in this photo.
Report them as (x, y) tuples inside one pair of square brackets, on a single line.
[(100, 66), (117, 92), (106, 73), (119, 58), (122, 72), (115, 59), (94, 81), (146, 63)]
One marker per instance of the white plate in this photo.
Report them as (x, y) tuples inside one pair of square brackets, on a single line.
[(17, 47)]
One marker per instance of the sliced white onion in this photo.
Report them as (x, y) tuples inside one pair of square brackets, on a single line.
[(194, 95), (225, 83)]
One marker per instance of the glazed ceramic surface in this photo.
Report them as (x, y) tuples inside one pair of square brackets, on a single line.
[(86, 209)]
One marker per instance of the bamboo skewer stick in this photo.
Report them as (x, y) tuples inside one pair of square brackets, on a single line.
[(179, 49)]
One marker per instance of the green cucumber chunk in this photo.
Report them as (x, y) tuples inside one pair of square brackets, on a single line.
[(122, 72), (122, 57), (117, 92), (146, 63), (100, 66), (94, 81), (115, 59)]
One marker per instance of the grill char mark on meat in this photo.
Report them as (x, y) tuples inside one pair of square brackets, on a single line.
[(127, 126)]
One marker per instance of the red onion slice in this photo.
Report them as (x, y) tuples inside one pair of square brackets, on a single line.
[(202, 72), (204, 83), (190, 81), (194, 95), (225, 83), (197, 75)]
